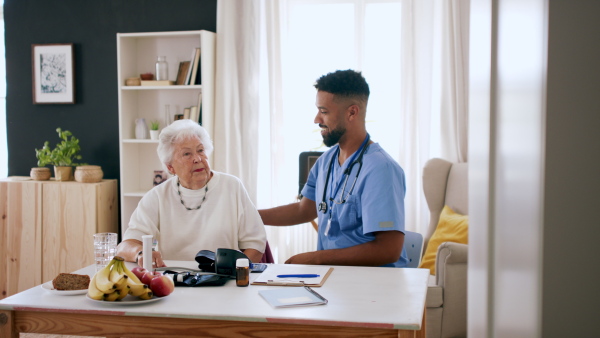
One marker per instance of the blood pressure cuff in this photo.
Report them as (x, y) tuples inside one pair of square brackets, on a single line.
[(197, 279), (206, 260), (222, 262)]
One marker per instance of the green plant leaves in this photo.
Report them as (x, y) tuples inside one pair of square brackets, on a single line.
[(63, 154)]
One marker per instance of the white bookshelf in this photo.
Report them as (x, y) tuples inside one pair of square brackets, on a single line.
[(136, 54)]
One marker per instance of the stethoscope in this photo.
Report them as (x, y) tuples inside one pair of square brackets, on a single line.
[(363, 148)]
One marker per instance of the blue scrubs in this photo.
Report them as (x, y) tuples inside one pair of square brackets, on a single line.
[(376, 203)]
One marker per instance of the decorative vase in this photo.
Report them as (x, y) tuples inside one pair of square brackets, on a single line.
[(40, 174), (88, 173), (154, 134), (141, 129), (162, 69), (63, 173)]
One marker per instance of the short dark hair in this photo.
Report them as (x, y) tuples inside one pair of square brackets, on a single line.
[(345, 83)]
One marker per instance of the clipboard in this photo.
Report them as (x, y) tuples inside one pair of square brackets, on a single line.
[(269, 276)]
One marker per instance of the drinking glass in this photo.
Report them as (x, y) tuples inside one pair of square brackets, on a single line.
[(105, 247)]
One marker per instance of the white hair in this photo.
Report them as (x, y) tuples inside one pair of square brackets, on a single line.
[(177, 132)]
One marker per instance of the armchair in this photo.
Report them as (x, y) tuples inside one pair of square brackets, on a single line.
[(446, 183)]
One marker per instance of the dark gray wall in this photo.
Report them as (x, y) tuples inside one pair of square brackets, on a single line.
[(91, 26), (572, 183)]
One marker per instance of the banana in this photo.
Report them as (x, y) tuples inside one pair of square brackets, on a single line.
[(131, 275), (134, 285), (93, 291), (103, 282), (122, 284), (111, 297), (136, 289), (124, 292), (116, 273), (122, 287), (146, 295)]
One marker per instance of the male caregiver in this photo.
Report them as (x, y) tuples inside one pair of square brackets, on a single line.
[(355, 188)]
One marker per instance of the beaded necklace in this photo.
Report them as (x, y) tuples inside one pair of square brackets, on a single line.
[(183, 203)]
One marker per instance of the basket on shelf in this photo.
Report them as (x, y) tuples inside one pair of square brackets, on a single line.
[(40, 174), (88, 174)]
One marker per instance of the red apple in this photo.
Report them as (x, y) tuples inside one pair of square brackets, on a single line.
[(139, 272), (149, 276), (162, 286)]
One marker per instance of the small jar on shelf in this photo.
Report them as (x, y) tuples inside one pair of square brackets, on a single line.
[(162, 69)]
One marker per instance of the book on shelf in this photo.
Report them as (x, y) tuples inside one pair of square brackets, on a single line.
[(189, 70), (199, 107), (194, 113), (182, 72), (178, 117), (188, 77), (195, 66), (186, 113), (157, 83), (199, 73)]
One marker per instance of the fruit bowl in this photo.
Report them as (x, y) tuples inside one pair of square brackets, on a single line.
[(129, 300)]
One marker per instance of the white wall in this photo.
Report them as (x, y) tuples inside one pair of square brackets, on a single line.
[(534, 172)]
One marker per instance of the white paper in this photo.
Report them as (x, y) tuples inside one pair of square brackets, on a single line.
[(287, 297)]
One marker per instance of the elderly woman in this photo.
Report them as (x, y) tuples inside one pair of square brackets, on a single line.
[(196, 209)]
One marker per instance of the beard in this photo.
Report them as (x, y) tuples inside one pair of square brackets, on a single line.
[(333, 137)]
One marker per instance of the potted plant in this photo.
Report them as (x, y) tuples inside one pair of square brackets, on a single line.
[(154, 125), (62, 156)]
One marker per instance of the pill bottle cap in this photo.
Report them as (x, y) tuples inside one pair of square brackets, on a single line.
[(242, 263)]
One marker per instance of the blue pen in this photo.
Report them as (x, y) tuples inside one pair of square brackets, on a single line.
[(298, 276)]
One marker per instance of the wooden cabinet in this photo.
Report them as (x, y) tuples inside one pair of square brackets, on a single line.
[(137, 54), (46, 227)]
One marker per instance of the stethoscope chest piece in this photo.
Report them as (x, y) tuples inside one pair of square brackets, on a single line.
[(322, 207)]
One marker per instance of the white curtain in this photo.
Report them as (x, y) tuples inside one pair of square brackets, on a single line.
[(434, 93), (432, 101), (455, 75), (236, 91)]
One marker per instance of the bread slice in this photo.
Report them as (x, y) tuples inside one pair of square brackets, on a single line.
[(71, 281)]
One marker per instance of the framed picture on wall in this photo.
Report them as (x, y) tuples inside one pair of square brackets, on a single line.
[(159, 177), (53, 73)]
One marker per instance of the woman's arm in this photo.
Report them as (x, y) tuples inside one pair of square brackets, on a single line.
[(254, 255)]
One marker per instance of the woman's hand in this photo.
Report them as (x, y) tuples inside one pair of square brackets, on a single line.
[(157, 261), (130, 250)]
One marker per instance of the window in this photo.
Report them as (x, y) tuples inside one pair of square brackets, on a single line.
[(321, 37), (359, 34)]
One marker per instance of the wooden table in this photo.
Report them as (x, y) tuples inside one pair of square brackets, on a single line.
[(363, 301)]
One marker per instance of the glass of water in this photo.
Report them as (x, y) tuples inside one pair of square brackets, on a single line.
[(105, 247)]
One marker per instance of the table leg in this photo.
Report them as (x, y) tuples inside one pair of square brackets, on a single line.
[(423, 332), (415, 334), (7, 324)]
